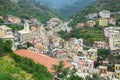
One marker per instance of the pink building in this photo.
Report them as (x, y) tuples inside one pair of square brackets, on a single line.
[(100, 44), (80, 25), (12, 19), (112, 21)]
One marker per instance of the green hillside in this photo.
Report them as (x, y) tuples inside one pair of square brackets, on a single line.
[(111, 5), (66, 8), (8, 68), (26, 9), (90, 35), (14, 67)]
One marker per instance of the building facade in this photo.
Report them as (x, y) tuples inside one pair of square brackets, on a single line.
[(100, 45), (114, 40), (117, 70), (104, 14), (24, 35), (103, 22), (112, 21), (6, 34), (12, 19), (91, 23), (92, 54)]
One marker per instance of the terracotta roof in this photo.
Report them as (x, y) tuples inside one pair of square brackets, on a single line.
[(41, 58)]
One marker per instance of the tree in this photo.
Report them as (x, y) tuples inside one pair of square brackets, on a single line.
[(5, 47), (2, 51), (104, 53), (8, 45), (58, 69), (75, 77), (65, 73), (1, 21)]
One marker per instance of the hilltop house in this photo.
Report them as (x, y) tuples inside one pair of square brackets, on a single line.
[(100, 45), (114, 42), (104, 14), (103, 22), (92, 16), (12, 19), (112, 21), (91, 23), (113, 35)]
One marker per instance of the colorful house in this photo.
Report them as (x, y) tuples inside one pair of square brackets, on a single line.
[(91, 23), (117, 70), (92, 54), (103, 22)]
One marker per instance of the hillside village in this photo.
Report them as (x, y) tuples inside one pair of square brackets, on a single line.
[(40, 40)]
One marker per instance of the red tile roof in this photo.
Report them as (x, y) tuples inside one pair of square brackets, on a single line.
[(41, 59)]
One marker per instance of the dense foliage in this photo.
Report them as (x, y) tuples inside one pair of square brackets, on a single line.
[(1, 21), (8, 67), (15, 27), (5, 47), (65, 73), (103, 53)]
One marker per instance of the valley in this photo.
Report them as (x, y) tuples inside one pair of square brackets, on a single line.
[(59, 40), (67, 8)]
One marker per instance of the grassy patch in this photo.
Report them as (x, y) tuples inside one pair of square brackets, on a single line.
[(7, 66), (88, 34)]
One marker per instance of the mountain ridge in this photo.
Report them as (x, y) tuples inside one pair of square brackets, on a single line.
[(26, 9), (68, 7)]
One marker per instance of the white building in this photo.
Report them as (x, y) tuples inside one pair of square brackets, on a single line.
[(92, 16), (108, 30), (24, 35), (65, 27), (113, 35), (104, 14), (75, 41), (114, 40)]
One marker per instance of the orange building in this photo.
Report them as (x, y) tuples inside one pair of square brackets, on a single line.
[(91, 23), (42, 59)]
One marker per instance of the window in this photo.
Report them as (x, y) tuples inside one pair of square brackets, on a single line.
[(118, 74)]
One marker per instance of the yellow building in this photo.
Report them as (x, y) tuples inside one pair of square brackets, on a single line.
[(92, 54), (117, 70), (103, 22), (6, 34), (1, 17), (4, 30)]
